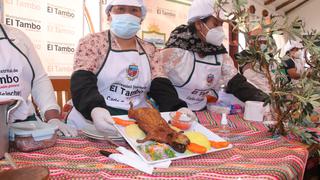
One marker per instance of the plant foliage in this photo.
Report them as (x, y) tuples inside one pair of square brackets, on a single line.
[(292, 104)]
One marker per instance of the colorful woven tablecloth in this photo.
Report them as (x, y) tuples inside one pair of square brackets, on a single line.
[(255, 155)]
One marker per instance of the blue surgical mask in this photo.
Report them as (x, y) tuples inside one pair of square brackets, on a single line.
[(125, 26)]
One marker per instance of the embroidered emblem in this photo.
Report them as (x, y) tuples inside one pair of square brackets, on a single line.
[(210, 78), (133, 71)]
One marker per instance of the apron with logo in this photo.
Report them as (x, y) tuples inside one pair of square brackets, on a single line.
[(125, 76), (205, 76), (16, 76)]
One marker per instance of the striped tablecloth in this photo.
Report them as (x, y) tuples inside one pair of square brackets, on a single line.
[(255, 156)]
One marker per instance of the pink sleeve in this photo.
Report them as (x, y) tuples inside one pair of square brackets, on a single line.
[(170, 58), (91, 52), (156, 64)]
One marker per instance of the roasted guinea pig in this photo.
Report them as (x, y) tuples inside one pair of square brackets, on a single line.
[(157, 129)]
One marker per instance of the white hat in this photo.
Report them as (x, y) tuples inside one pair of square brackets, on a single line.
[(201, 9), (138, 3), (292, 44)]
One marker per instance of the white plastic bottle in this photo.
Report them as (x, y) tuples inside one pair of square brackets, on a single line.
[(224, 124)]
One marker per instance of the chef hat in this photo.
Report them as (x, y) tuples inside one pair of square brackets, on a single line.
[(292, 44), (138, 3), (201, 9)]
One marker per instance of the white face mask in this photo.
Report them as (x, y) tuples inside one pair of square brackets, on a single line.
[(215, 35)]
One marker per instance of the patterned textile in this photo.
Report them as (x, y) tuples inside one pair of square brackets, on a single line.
[(185, 38), (254, 156)]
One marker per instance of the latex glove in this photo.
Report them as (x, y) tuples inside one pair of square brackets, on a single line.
[(102, 120), (188, 112), (64, 128)]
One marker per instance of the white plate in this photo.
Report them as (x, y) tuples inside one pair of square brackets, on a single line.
[(90, 131), (27, 125), (166, 115)]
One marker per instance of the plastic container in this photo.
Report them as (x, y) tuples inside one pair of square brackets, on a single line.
[(224, 124), (254, 111), (227, 103), (219, 107), (4, 141), (181, 121), (32, 135), (7, 104)]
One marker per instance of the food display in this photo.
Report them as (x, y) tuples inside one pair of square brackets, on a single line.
[(181, 121), (122, 122), (157, 129), (133, 131), (155, 139), (156, 151), (199, 139)]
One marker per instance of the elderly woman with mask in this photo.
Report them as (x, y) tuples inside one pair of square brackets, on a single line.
[(196, 61), (115, 67)]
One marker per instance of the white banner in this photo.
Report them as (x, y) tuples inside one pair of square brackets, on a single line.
[(54, 27)]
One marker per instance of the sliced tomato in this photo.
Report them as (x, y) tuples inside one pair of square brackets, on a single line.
[(196, 148), (122, 122), (219, 144)]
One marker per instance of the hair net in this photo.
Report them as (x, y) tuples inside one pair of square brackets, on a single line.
[(201, 9), (292, 44), (138, 3)]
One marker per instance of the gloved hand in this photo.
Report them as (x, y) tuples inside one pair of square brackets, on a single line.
[(188, 112), (102, 120), (64, 128)]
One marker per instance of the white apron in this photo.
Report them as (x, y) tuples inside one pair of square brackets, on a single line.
[(204, 77), (299, 64), (16, 76), (257, 79), (124, 76)]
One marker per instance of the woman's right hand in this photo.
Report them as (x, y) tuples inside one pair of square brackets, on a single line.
[(102, 120)]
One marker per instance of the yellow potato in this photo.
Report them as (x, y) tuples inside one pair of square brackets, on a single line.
[(198, 138), (133, 131)]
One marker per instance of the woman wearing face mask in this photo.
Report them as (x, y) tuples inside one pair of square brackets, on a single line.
[(196, 61), (115, 67), (294, 66)]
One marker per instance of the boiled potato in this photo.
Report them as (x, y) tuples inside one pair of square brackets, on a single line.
[(198, 138), (133, 131)]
